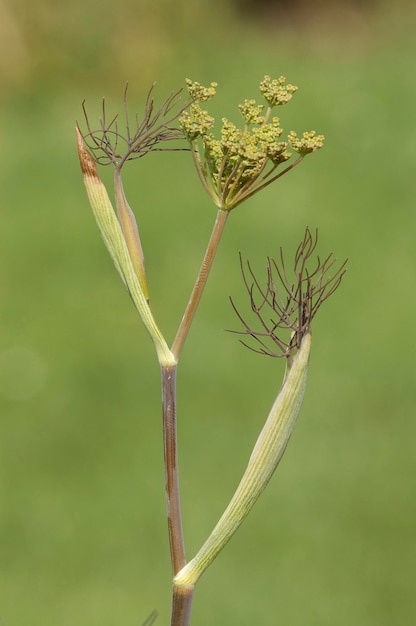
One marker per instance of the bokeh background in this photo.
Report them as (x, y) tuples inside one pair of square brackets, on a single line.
[(82, 521)]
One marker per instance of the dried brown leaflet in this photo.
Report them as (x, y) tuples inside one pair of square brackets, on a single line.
[(108, 145), (293, 302)]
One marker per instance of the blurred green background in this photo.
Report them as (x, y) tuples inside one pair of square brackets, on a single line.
[(82, 522)]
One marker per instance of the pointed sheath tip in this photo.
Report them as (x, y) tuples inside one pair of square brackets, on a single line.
[(87, 164)]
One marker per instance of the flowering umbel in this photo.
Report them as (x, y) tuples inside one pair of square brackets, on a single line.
[(244, 160)]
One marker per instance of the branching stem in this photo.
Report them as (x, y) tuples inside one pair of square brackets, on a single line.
[(200, 283), (182, 597)]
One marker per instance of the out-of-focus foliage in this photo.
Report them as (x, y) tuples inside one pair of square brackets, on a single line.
[(86, 41), (82, 524), (93, 42)]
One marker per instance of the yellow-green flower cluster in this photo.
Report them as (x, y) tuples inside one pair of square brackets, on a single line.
[(241, 155), (243, 160), (199, 93), (251, 112), (276, 91), (196, 122), (267, 136), (309, 142)]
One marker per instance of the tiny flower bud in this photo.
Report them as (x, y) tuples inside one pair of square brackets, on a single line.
[(309, 142), (199, 93), (276, 92)]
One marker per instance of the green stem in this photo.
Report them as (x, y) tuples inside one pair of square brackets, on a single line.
[(130, 231), (199, 283)]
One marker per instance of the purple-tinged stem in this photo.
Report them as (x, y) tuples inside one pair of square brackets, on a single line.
[(181, 605), (181, 597), (177, 550)]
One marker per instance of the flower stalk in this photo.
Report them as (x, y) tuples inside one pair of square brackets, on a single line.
[(200, 283)]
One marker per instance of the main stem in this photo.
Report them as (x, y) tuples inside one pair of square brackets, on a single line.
[(182, 597), (181, 605), (177, 550), (200, 283)]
